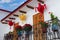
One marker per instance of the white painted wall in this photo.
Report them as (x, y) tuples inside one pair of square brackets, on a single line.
[(3, 30), (52, 5)]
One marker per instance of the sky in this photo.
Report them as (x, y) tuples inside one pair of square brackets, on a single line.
[(10, 5)]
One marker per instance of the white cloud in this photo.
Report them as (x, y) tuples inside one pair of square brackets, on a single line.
[(5, 1), (14, 4)]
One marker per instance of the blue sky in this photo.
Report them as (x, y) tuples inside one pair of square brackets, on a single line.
[(10, 4)]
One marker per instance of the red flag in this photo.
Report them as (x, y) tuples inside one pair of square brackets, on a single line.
[(10, 23), (41, 7)]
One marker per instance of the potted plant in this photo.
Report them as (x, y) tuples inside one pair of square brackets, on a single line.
[(54, 22), (18, 29), (44, 26), (27, 28)]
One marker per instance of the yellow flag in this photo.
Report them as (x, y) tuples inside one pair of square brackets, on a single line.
[(22, 17)]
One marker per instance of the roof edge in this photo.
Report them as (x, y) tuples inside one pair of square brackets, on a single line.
[(5, 10), (17, 9)]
